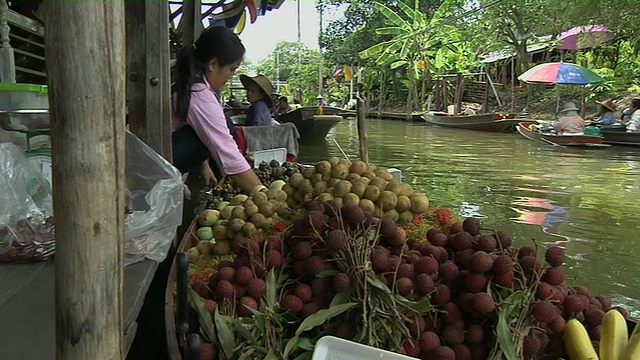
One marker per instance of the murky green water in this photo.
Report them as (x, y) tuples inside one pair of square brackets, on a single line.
[(587, 200)]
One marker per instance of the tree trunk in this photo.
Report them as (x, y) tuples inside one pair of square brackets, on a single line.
[(85, 46), (523, 57)]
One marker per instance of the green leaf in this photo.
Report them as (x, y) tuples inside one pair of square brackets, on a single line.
[(379, 284), (271, 356), (390, 31), (271, 288), (292, 344), (206, 324), (328, 273), (225, 335), (304, 356), (323, 315), (374, 50), (341, 297), (305, 344), (423, 306), (398, 64), (394, 18), (244, 332)]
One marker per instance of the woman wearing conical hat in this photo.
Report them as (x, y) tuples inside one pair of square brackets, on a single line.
[(606, 115), (259, 91)]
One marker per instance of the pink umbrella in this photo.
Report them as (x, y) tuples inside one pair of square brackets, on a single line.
[(584, 36)]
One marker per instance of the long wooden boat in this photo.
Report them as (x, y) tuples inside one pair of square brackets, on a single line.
[(564, 140), (309, 124), (617, 134), (493, 122), (415, 117)]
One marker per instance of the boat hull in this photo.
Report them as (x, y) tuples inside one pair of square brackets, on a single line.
[(574, 140), (309, 124), (415, 117), (480, 122), (620, 138)]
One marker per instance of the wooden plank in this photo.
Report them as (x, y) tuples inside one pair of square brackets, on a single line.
[(148, 78), (24, 23), (86, 68), (362, 131), (7, 59), (438, 91), (190, 21)]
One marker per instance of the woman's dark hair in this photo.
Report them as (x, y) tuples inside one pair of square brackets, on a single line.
[(636, 103), (215, 42)]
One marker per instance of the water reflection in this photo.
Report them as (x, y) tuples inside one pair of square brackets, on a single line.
[(587, 200)]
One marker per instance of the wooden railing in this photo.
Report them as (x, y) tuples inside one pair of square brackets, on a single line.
[(21, 48)]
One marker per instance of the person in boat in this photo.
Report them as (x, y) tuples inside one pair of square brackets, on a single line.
[(275, 99), (284, 106), (198, 124), (321, 101), (606, 115), (259, 94), (296, 104), (634, 124), (570, 123)]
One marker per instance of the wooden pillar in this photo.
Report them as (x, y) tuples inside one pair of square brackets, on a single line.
[(148, 77), (191, 21), (7, 59), (362, 130), (458, 94), (445, 94), (438, 104), (85, 46), (485, 100)]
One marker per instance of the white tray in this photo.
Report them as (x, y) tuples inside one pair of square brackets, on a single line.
[(333, 348), (279, 154)]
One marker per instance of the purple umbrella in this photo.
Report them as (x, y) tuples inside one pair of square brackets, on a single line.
[(584, 36)]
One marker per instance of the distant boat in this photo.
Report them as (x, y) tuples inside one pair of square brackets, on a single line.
[(616, 134), (493, 122), (562, 140), (415, 117), (309, 124)]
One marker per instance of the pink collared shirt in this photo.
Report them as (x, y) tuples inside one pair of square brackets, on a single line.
[(207, 119)]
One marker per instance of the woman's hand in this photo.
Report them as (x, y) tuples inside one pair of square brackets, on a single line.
[(208, 178), (187, 192)]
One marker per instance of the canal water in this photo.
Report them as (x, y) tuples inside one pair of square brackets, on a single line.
[(586, 200)]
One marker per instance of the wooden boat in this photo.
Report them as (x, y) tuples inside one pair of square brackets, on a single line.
[(415, 117), (309, 124), (493, 122), (616, 134), (562, 140)]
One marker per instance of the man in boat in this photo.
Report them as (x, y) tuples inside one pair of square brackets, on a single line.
[(634, 124), (283, 106), (570, 123), (606, 115), (321, 101)]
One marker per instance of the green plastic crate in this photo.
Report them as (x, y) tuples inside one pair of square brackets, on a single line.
[(14, 96)]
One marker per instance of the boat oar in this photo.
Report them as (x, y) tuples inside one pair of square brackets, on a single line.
[(340, 148), (550, 142)]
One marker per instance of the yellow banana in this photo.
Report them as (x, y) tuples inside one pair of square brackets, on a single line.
[(632, 350), (614, 335), (577, 342)]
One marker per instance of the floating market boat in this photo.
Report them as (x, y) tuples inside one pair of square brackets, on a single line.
[(493, 122), (415, 117), (617, 134), (524, 128), (310, 124)]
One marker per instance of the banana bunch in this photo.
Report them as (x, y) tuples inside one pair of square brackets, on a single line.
[(614, 341)]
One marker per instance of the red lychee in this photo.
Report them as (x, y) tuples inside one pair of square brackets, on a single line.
[(544, 291), (243, 275), (406, 270), (315, 265), (404, 286), (336, 240), (245, 303), (424, 284), (274, 259), (480, 262), (544, 311), (201, 288), (557, 324), (442, 295), (448, 271), (341, 282), (526, 251), (224, 264), (426, 265), (291, 303), (529, 265), (483, 303), (502, 265), (226, 273), (505, 280), (303, 291), (211, 306), (554, 256), (486, 243), (452, 312), (553, 276), (460, 241), (439, 239), (504, 239), (239, 290), (471, 225), (256, 288), (462, 352), (475, 282), (444, 353), (387, 227), (452, 335), (320, 286), (302, 250), (456, 227), (309, 309), (353, 214), (315, 220), (379, 260), (475, 334), (429, 341), (225, 289), (431, 232)]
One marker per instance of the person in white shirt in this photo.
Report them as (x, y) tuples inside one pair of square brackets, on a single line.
[(634, 124)]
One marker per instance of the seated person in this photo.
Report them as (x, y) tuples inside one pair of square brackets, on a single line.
[(321, 101), (570, 123), (634, 124), (283, 106), (259, 91), (606, 115)]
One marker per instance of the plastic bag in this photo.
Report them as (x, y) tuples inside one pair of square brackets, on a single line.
[(26, 231), (155, 196)]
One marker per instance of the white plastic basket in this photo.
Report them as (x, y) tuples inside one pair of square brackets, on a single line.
[(279, 154), (333, 348)]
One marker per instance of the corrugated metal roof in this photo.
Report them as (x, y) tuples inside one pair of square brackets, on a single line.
[(543, 42)]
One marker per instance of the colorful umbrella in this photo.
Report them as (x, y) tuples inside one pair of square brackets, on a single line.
[(560, 73), (584, 36)]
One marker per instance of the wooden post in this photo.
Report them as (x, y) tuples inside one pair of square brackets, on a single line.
[(485, 101), (445, 94), (458, 94), (362, 130), (85, 49), (148, 77), (513, 86), (191, 21), (438, 104), (7, 59)]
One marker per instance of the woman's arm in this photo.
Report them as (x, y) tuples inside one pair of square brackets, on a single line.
[(246, 180)]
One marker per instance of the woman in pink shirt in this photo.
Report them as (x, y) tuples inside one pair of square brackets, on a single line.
[(199, 126)]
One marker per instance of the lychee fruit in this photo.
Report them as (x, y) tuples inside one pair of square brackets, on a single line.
[(579, 289), (410, 347), (336, 240), (315, 265), (320, 286), (554, 256), (243, 275), (593, 317), (406, 270), (475, 334), (379, 260), (486, 243), (226, 273), (201, 288), (291, 303), (211, 306), (239, 290), (424, 284), (452, 335), (505, 280), (605, 302), (426, 265), (443, 255), (404, 286), (439, 239), (207, 351), (444, 353), (315, 205), (502, 265), (256, 288), (557, 324), (452, 312), (274, 259), (544, 291), (300, 268), (456, 227), (387, 227), (224, 264), (483, 303), (544, 311), (530, 346), (529, 265), (442, 295), (462, 352), (460, 241), (526, 251), (341, 282), (303, 292), (471, 225), (245, 303), (448, 271), (302, 250), (225, 289), (553, 276), (315, 220), (429, 341), (504, 239), (353, 214), (475, 282), (309, 309), (431, 232), (480, 262)]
